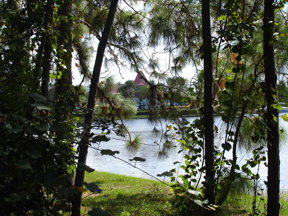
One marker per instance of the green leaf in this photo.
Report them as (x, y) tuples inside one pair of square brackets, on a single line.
[(138, 159), (32, 130), (226, 146), (41, 106), (43, 127), (20, 118), (92, 187), (198, 202), (284, 117), (101, 138), (17, 128), (13, 198), (24, 164), (60, 128), (194, 192), (38, 97), (33, 153), (52, 179), (65, 191), (85, 168), (109, 152), (166, 174), (278, 107), (98, 212), (274, 118), (220, 18), (255, 138)]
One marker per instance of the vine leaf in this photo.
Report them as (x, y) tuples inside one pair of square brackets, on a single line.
[(38, 97), (226, 146), (98, 212), (24, 164), (284, 117), (13, 198), (33, 153), (194, 192), (165, 174), (42, 127), (31, 130), (92, 187), (101, 138), (109, 152), (79, 189), (85, 168), (58, 128), (52, 179), (17, 128), (41, 106), (20, 118), (138, 159)]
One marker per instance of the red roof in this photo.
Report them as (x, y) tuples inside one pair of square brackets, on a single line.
[(114, 91), (139, 81)]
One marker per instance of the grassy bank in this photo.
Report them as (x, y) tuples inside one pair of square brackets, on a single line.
[(125, 196)]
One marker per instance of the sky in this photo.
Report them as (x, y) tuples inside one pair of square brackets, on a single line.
[(126, 73)]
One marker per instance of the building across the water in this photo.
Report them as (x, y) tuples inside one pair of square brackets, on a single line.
[(138, 81)]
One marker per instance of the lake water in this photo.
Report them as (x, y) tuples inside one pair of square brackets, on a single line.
[(149, 150)]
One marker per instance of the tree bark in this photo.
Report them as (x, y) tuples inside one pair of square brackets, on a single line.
[(76, 205), (273, 205), (65, 41), (47, 19), (208, 108), (47, 55)]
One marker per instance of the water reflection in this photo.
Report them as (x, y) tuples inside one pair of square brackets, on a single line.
[(158, 163)]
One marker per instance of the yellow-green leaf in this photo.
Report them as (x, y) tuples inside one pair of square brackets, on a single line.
[(285, 117)]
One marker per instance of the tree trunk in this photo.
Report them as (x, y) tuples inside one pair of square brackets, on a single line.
[(65, 41), (76, 205), (273, 205), (47, 56), (208, 108), (46, 67), (49, 5)]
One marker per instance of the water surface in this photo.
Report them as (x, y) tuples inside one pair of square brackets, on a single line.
[(149, 150)]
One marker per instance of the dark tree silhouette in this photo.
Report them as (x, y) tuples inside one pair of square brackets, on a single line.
[(90, 107), (273, 206), (208, 108)]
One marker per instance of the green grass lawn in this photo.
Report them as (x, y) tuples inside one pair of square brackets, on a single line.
[(125, 196), (242, 205)]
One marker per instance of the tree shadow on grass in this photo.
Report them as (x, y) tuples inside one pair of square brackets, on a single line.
[(141, 203)]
